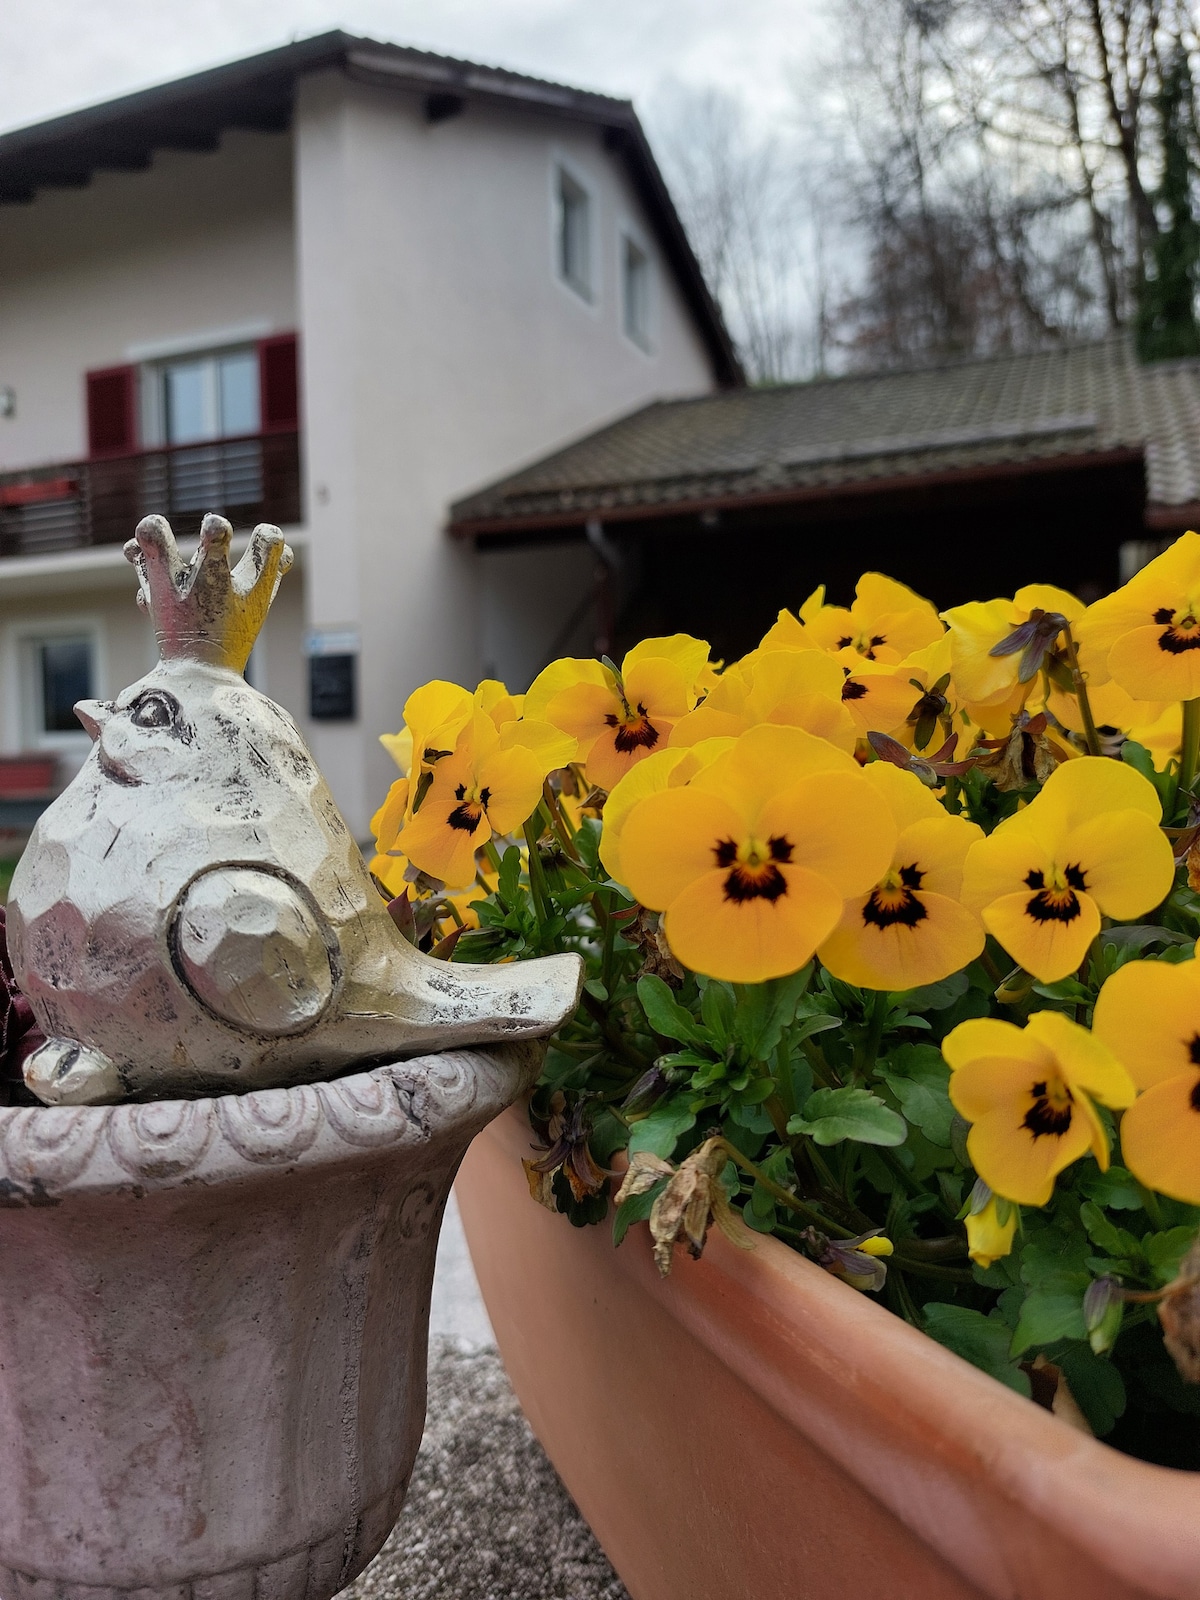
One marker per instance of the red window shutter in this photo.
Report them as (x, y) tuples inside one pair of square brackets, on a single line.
[(278, 384), (112, 411)]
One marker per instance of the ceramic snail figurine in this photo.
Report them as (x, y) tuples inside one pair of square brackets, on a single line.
[(191, 915)]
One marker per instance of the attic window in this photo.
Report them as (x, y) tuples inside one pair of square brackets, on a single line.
[(635, 292), (574, 235)]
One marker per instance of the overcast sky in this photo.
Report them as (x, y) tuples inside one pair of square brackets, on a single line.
[(56, 55)]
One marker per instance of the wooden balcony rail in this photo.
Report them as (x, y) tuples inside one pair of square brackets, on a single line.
[(253, 478)]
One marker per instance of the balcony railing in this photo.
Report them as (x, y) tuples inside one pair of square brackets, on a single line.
[(255, 478)]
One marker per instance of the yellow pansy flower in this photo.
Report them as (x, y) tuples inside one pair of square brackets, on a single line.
[(1028, 1094), (618, 720), (753, 860), (1147, 634), (792, 688), (997, 648), (478, 790), (886, 622), (910, 928), (991, 1229), (879, 698), (1089, 843), (1148, 1014)]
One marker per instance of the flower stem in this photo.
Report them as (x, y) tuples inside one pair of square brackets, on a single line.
[(537, 879), (1081, 694), (778, 1192), (1189, 748)]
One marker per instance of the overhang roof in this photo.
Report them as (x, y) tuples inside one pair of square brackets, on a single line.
[(258, 93), (874, 431)]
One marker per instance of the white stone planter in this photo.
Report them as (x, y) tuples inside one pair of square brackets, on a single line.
[(213, 1319)]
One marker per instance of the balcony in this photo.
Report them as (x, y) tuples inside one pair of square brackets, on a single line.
[(73, 506)]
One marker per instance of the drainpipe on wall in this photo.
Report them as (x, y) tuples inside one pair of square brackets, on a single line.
[(609, 568)]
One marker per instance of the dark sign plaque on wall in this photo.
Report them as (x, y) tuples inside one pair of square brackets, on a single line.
[(333, 675)]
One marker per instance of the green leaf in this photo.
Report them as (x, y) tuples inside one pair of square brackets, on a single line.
[(1116, 1189), (816, 1022), (716, 1008), (661, 1130), (510, 876), (1047, 1316), (764, 1010), (636, 1209), (1096, 1384), (919, 1078), (1066, 989), (1114, 1241), (934, 996), (1165, 1251), (831, 1115), (983, 1341), (664, 1013)]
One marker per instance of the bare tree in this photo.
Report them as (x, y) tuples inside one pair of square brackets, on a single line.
[(754, 227), (1015, 162)]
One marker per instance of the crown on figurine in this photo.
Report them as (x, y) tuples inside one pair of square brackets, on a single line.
[(201, 609)]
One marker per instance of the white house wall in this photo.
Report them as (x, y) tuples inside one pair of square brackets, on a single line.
[(440, 351), (199, 244)]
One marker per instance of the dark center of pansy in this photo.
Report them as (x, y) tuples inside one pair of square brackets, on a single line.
[(1194, 1097), (635, 731), (1057, 901), (1051, 1110), (1193, 1050), (895, 900), (753, 869), (1179, 633), (468, 813), (853, 690)]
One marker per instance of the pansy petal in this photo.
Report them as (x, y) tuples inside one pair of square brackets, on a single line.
[(1148, 1014), (1048, 946), (987, 1037), (688, 654), (1126, 860), (651, 776), (901, 955), (512, 782), (838, 825), (1143, 662), (767, 760), (1001, 863), (1047, 597), (1022, 1165), (389, 819), (563, 674), (669, 841), (656, 685), (750, 940), (1084, 1061), (442, 850), (995, 1082), (1078, 790), (1160, 1137)]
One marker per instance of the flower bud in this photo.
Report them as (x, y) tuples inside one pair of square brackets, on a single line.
[(1103, 1310)]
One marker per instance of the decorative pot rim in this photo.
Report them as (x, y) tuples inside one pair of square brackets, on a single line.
[(918, 1427), (48, 1152)]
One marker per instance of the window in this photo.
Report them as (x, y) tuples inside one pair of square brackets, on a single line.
[(58, 668), (209, 397), (574, 235), (635, 292)]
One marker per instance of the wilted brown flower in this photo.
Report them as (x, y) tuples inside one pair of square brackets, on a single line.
[(565, 1136), (1024, 756), (692, 1198), (645, 931), (856, 1261), (1179, 1313)]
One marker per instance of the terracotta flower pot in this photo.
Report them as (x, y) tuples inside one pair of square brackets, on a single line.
[(752, 1426), (213, 1319)]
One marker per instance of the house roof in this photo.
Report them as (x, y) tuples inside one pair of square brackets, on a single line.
[(879, 430), (258, 93)]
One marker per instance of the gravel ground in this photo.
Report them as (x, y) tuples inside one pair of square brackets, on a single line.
[(486, 1516)]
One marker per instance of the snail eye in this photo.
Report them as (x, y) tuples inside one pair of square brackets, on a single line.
[(154, 710)]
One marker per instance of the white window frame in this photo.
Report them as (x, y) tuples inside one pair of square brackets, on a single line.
[(628, 234), (25, 712), (588, 294)]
